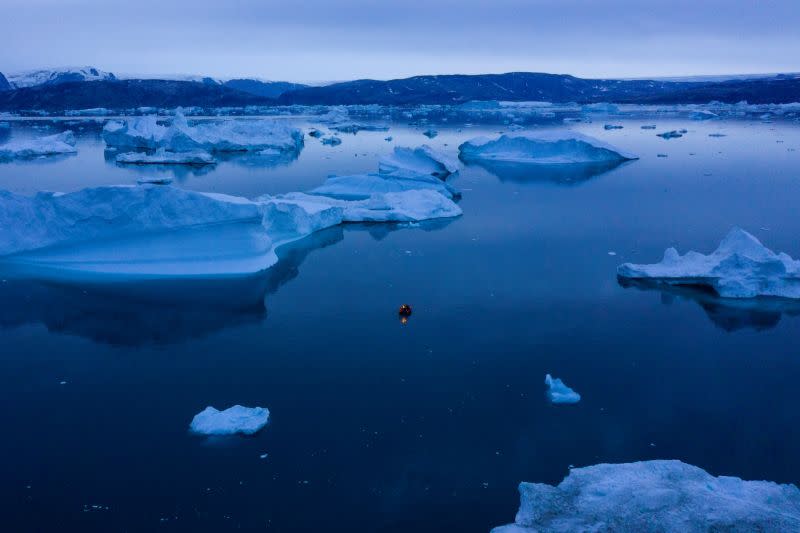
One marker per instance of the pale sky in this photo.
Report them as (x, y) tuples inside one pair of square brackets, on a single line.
[(323, 40)]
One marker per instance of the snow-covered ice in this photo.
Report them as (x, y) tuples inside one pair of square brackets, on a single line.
[(741, 267), (163, 157), (236, 419), (558, 392), (215, 136), (655, 497), (421, 160), (59, 144), (546, 148)]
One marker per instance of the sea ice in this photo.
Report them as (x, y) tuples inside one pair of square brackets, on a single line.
[(558, 392), (62, 143), (422, 160), (163, 157), (655, 497), (741, 267), (362, 186), (216, 136), (547, 148), (236, 419)]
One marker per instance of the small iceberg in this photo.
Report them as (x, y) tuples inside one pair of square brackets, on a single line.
[(422, 160), (236, 419), (162, 157), (60, 144), (544, 148), (654, 497), (703, 115), (741, 267), (430, 134), (145, 133), (612, 127), (332, 140), (649, 127), (558, 392), (674, 134)]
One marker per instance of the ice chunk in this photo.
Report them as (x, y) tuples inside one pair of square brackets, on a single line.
[(547, 148), (236, 419), (62, 143), (162, 157), (355, 127), (430, 133), (217, 136), (421, 160), (612, 127), (332, 140), (674, 134), (655, 497), (558, 392), (649, 127), (362, 186), (741, 267)]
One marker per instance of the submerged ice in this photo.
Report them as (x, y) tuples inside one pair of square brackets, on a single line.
[(740, 267), (236, 419), (655, 497)]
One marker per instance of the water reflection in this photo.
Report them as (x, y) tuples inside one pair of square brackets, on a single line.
[(156, 311), (565, 174), (729, 314)]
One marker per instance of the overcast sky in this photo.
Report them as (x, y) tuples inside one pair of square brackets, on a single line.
[(323, 40)]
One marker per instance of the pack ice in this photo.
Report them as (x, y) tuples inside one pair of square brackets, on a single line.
[(62, 143), (236, 419), (741, 267), (546, 148), (145, 133), (655, 497)]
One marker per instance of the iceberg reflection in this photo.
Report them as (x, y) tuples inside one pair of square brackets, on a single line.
[(562, 174)]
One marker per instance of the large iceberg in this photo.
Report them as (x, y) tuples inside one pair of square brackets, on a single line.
[(655, 497), (236, 419), (215, 136), (545, 148), (162, 231), (422, 160), (62, 143), (741, 267)]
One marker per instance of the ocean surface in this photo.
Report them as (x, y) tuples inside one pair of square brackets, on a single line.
[(426, 426)]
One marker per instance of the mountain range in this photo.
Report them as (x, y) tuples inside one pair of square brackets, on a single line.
[(88, 87)]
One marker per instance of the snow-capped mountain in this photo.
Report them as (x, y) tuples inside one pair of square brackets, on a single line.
[(56, 76)]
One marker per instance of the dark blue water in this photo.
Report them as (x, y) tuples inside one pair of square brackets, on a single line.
[(427, 426)]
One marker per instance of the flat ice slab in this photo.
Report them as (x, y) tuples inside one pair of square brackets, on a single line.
[(655, 497), (236, 419), (546, 148), (62, 143), (163, 157), (229, 135), (741, 267), (558, 392)]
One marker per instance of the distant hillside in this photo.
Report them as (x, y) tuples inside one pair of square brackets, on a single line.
[(4, 85), (269, 89), (32, 78), (122, 94), (514, 86), (776, 90)]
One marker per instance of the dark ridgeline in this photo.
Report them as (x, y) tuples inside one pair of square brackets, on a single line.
[(4, 85), (449, 89)]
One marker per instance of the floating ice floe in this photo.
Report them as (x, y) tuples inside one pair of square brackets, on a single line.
[(741, 267), (215, 136), (134, 232), (655, 497), (163, 157), (558, 392), (236, 419), (430, 133), (62, 143), (423, 160), (702, 115), (332, 140), (674, 134), (648, 127), (612, 127), (546, 148)]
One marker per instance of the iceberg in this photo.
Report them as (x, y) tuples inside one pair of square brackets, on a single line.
[(332, 140), (741, 267), (162, 157), (423, 160), (558, 392), (612, 127), (543, 148), (236, 419), (362, 186), (62, 143), (662, 496), (674, 134), (218, 136)]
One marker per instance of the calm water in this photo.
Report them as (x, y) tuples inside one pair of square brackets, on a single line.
[(428, 426)]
